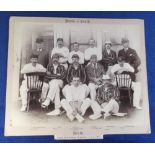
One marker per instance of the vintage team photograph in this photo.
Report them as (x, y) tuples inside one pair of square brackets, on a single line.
[(73, 72)]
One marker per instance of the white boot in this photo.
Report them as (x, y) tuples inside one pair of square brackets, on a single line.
[(54, 112), (95, 116), (45, 103), (138, 107), (106, 115), (79, 118), (71, 117)]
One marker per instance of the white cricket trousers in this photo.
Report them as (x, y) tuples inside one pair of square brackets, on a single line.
[(52, 91), (23, 93), (111, 106), (86, 104), (69, 109), (136, 87)]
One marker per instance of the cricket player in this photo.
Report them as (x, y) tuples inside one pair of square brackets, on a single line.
[(62, 51), (78, 52), (123, 66), (33, 66), (56, 73)]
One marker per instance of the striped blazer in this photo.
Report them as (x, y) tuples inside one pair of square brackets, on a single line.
[(80, 72), (60, 72)]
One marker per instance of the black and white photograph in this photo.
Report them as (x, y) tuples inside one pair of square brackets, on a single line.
[(76, 73)]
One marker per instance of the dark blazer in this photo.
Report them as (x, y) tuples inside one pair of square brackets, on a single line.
[(80, 71), (108, 59), (131, 57)]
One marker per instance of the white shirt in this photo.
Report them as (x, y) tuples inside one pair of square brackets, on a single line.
[(92, 51), (79, 53), (28, 68), (126, 67), (55, 68), (73, 93), (125, 49), (108, 51), (64, 51)]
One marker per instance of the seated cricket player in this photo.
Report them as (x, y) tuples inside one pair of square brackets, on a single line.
[(95, 72), (107, 96), (62, 51), (33, 66), (78, 52), (92, 50), (75, 102), (123, 66), (56, 73), (76, 69)]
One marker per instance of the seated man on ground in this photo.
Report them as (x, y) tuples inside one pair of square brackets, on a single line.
[(107, 96), (121, 67), (75, 102), (56, 73), (28, 68)]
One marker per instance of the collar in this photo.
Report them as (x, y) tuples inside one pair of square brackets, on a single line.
[(39, 49), (125, 49), (108, 51), (54, 65), (76, 66), (34, 66), (94, 65)]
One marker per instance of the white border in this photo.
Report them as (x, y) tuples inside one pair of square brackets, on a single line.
[(10, 131)]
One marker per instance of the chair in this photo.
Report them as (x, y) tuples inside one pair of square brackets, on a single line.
[(34, 85), (124, 83)]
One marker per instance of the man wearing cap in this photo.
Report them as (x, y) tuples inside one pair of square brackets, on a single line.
[(78, 52), (107, 96), (56, 73), (129, 55), (109, 57), (33, 66), (92, 50), (76, 69), (43, 55), (123, 66), (62, 51), (95, 73)]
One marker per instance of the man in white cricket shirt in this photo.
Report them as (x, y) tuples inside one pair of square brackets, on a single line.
[(28, 68), (136, 86), (92, 50), (78, 52), (62, 51)]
